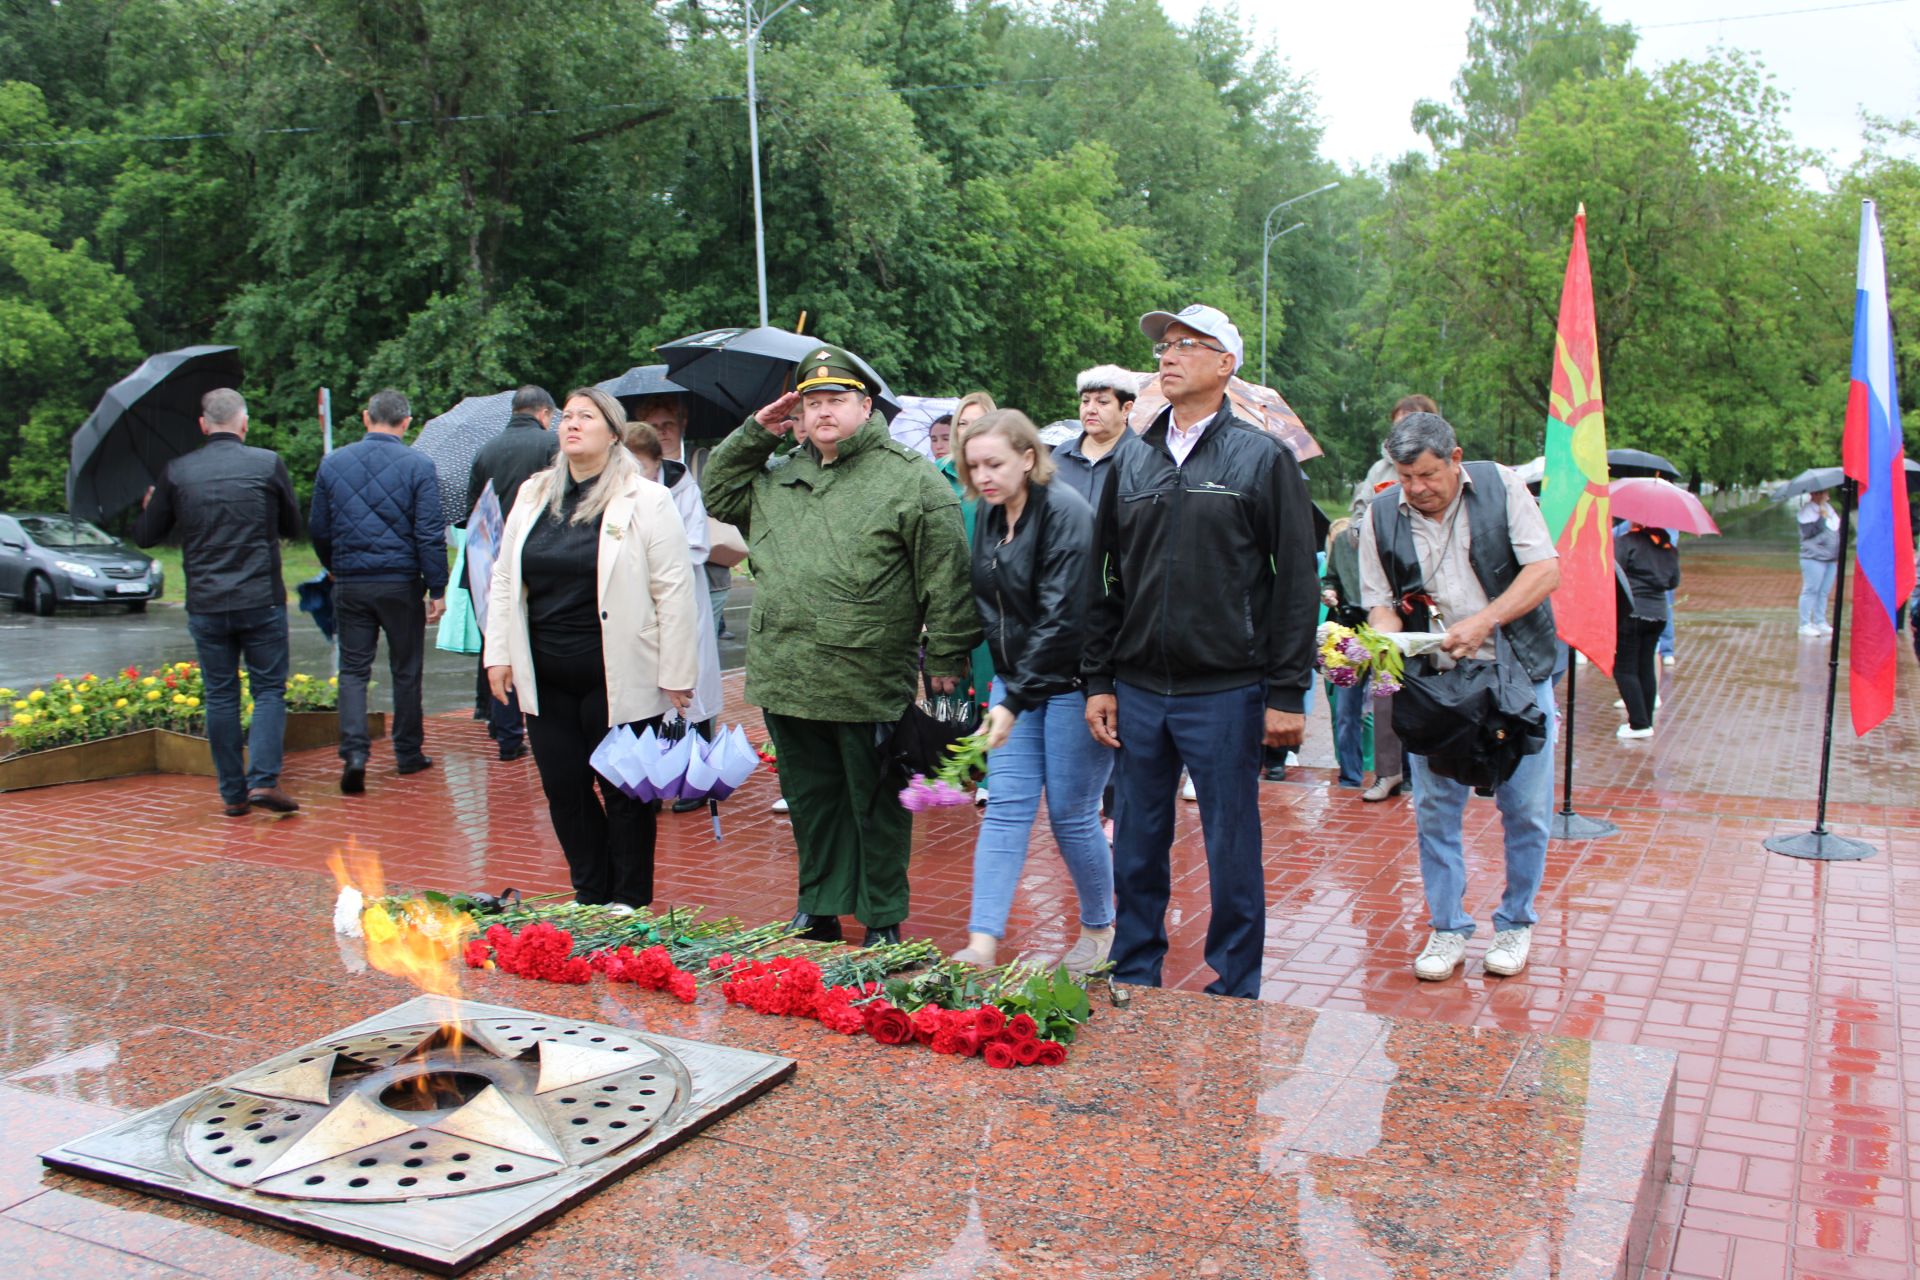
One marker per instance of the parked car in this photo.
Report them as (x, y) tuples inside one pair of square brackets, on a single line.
[(50, 560)]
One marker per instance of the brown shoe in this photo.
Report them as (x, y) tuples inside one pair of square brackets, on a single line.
[(240, 810), (274, 800)]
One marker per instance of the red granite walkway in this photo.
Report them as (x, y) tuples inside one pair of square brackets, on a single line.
[(1778, 981)]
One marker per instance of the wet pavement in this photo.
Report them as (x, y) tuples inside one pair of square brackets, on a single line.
[(1348, 1124)]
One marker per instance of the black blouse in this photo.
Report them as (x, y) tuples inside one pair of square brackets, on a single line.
[(560, 565)]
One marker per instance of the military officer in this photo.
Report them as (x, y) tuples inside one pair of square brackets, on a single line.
[(856, 545)]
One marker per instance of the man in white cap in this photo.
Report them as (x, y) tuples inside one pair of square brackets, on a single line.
[(1202, 644)]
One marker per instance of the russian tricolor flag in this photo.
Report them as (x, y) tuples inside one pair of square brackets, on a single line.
[(1875, 459)]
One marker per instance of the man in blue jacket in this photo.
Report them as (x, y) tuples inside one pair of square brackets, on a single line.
[(377, 527)]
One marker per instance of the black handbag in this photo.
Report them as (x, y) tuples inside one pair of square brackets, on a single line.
[(1474, 722), (919, 740)]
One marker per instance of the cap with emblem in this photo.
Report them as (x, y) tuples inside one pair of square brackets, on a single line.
[(1201, 319), (829, 368)]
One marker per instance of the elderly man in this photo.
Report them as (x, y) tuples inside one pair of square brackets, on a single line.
[(232, 505), (1462, 548), (1202, 644), (856, 546)]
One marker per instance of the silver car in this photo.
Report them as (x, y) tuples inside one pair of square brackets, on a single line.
[(50, 560)]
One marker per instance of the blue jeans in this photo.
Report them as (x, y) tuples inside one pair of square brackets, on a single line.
[(222, 638), (1049, 750), (1525, 801), (1816, 584), (1350, 731), (1665, 647), (1218, 737)]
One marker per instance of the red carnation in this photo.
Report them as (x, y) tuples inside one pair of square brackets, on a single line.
[(946, 1041), (1021, 1027), (477, 954), (1052, 1053), (999, 1056), (989, 1020), (1026, 1052), (682, 987)]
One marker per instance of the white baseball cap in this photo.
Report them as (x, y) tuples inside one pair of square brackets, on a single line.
[(1201, 319)]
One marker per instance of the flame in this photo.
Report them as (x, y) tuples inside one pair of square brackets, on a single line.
[(421, 944)]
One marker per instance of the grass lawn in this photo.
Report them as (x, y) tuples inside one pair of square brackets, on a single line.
[(297, 563)]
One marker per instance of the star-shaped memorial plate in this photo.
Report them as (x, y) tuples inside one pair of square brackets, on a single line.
[(434, 1134)]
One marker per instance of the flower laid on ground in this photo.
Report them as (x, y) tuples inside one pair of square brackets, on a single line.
[(171, 697), (1350, 654)]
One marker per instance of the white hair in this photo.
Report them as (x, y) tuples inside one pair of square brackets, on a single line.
[(1110, 377)]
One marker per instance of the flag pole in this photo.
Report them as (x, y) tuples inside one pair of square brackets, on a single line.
[(1820, 844), (1568, 825)]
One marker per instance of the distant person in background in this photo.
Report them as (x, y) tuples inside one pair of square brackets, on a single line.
[(232, 505), (1340, 592), (940, 436), (970, 409), (377, 526), (1649, 570), (525, 446), (668, 415), (1819, 562), (1389, 762), (1107, 393)]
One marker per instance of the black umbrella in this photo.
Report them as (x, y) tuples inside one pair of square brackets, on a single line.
[(705, 419), (1622, 463), (146, 420), (744, 370), (1815, 479), (453, 438)]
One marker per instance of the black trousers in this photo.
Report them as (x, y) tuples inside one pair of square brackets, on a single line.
[(1636, 667), (609, 846), (363, 612), (505, 724)]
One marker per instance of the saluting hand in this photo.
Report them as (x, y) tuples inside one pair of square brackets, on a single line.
[(776, 417)]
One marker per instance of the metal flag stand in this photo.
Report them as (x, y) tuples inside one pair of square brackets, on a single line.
[(1568, 825), (1820, 844)]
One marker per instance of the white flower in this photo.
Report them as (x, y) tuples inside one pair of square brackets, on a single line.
[(346, 912)]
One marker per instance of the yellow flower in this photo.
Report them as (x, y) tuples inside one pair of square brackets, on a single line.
[(23, 717), (37, 695), (150, 681), (119, 702), (299, 677), (333, 680), (179, 699), (75, 709), (193, 702), (21, 705), (153, 695), (86, 688), (6, 695)]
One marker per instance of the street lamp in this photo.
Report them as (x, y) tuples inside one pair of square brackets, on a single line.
[(755, 25), (1267, 235)]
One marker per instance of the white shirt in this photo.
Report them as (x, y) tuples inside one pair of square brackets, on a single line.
[(1180, 443)]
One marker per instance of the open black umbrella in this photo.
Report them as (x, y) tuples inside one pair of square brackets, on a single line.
[(143, 422), (1815, 479), (743, 370), (1622, 463), (705, 419), (453, 438)]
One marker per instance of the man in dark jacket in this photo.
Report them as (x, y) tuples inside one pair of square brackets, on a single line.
[(524, 447), (377, 527), (1201, 644), (233, 504)]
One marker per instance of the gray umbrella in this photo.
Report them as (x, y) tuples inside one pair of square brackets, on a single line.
[(705, 419), (1622, 463), (743, 370), (143, 422), (1816, 479), (452, 440)]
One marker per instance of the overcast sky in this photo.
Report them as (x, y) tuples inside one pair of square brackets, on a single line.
[(1370, 62)]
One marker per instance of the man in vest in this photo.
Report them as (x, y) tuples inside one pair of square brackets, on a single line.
[(1462, 548)]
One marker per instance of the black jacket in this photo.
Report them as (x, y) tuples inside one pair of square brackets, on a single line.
[(1649, 568), (1033, 592), (523, 448), (1207, 568), (232, 504)]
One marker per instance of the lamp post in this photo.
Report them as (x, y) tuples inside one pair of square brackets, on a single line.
[(1267, 236), (755, 25)]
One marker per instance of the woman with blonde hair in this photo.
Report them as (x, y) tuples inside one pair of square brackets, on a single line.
[(1033, 582), (592, 620)]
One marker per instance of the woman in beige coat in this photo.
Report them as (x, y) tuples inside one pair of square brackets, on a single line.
[(592, 620)]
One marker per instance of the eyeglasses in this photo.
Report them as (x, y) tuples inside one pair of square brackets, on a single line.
[(1183, 346)]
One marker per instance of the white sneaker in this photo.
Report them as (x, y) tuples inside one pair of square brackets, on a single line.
[(1811, 631), (980, 797), (780, 805), (1580, 657), (1186, 789), (1508, 954), (1619, 704), (1628, 731), (1826, 628), (1666, 660), (1440, 957)]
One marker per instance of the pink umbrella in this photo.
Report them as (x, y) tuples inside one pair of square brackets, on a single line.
[(1649, 500)]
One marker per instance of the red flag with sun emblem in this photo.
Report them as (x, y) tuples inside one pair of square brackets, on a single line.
[(1573, 492)]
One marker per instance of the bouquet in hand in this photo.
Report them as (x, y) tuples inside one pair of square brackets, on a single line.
[(966, 761), (1351, 654)]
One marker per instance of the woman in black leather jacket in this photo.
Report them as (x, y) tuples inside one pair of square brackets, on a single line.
[(1649, 567), (1033, 581)]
